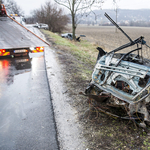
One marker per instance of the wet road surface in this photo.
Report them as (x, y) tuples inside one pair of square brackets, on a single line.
[(26, 116)]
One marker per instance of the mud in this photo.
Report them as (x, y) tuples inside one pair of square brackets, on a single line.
[(100, 130)]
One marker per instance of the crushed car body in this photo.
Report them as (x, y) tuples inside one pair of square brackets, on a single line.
[(122, 80), (70, 36)]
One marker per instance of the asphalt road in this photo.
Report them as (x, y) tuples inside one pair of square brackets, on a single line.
[(26, 114)]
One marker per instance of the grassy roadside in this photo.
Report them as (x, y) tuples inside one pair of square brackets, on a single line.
[(84, 51), (102, 132)]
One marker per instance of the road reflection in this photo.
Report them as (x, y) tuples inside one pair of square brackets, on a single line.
[(10, 67)]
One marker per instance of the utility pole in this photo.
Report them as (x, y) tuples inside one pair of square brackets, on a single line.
[(116, 11), (116, 17)]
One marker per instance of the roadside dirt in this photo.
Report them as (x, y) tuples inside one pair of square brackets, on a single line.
[(101, 131)]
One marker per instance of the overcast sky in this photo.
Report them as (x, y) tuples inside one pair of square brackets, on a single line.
[(28, 5)]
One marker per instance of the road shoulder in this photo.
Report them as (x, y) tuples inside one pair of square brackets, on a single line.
[(69, 128)]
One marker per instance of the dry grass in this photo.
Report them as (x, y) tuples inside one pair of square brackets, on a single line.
[(108, 39)]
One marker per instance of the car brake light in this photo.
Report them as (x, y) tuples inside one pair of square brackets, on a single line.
[(2, 50), (37, 48), (40, 48)]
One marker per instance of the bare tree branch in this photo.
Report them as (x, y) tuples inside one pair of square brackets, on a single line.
[(78, 7), (13, 8), (63, 4)]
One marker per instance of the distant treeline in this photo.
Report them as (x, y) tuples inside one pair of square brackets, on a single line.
[(125, 17), (130, 23)]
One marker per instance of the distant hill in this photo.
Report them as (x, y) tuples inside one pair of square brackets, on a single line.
[(140, 17)]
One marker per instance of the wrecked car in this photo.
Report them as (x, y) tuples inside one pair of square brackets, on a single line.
[(67, 35), (70, 36), (122, 80)]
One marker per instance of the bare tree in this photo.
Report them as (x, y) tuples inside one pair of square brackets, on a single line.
[(13, 8), (2, 9), (51, 15), (0, 6), (79, 8), (1, 1)]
